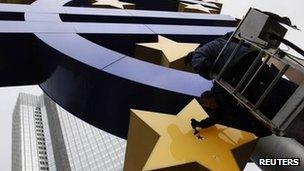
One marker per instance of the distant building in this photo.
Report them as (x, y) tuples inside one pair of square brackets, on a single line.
[(46, 137)]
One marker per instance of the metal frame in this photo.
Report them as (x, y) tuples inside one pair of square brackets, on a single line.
[(289, 110)]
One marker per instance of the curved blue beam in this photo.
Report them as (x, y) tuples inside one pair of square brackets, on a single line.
[(100, 85)]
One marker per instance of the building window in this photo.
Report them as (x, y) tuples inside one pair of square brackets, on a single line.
[(38, 119), (40, 134), (43, 148), (44, 168)]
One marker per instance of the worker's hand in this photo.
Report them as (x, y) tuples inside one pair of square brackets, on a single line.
[(194, 123), (188, 58)]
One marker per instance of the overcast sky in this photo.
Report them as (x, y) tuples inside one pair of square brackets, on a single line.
[(236, 8)]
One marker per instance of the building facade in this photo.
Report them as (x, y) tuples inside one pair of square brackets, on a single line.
[(46, 137)]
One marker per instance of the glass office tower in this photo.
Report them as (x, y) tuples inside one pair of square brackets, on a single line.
[(46, 137)]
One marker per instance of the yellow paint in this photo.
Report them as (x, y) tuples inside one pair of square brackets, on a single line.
[(171, 50), (113, 4), (177, 144)]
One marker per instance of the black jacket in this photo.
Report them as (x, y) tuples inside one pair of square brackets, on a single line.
[(203, 57)]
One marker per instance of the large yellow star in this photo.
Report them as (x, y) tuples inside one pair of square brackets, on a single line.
[(165, 52), (196, 8), (113, 4), (159, 141)]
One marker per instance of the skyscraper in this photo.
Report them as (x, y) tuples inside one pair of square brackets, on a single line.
[(46, 137)]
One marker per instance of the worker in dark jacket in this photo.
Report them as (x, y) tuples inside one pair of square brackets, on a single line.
[(223, 109), (204, 56), (219, 104)]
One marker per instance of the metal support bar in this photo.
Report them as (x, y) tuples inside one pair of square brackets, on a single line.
[(272, 84), (256, 73), (257, 114), (289, 110), (225, 46), (230, 58), (249, 71)]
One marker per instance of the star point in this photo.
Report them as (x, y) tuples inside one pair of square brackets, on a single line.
[(165, 52), (196, 8), (113, 4)]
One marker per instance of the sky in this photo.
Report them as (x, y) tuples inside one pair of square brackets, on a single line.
[(235, 8)]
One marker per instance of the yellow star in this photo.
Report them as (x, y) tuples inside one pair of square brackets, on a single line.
[(113, 4), (165, 52), (196, 8), (159, 141)]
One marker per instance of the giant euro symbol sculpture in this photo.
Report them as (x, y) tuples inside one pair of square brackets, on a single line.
[(82, 57)]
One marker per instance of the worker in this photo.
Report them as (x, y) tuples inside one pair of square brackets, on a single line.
[(203, 57), (219, 104), (223, 109)]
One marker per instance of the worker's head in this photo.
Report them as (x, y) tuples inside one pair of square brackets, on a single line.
[(207, 100)]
